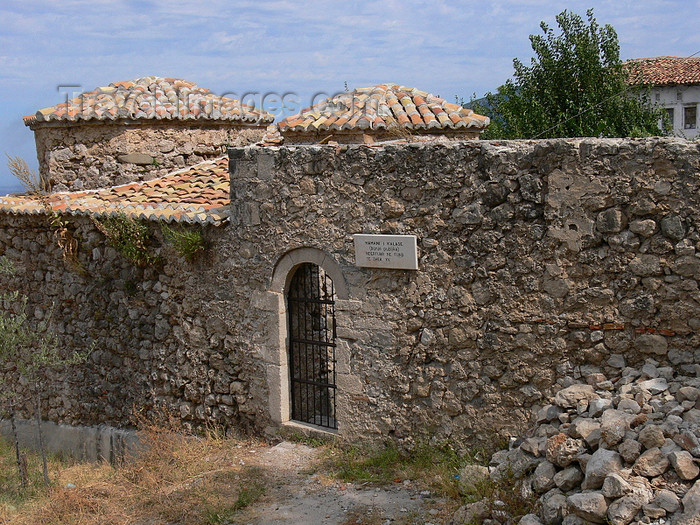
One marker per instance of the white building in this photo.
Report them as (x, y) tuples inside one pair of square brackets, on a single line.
[(675, 86)]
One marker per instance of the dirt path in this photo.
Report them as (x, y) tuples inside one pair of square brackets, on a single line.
[(297, 493)]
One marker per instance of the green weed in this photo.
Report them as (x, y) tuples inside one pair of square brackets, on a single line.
[(187, 243), (11, 494), (507, 490), (130, 237), (437, 466), (220, 512), (309, 441), (248, 495)]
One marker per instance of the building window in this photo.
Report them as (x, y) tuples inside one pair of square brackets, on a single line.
[(690, 116)]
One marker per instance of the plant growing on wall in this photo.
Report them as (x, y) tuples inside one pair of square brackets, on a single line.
[(187, 243), (30, 179), (36, 186), (130, 237), (27, 354), (6, 266)]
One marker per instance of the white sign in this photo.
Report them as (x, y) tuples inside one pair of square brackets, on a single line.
[(386, 251)]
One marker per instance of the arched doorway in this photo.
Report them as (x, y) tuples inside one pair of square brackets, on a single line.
[(312, 346)]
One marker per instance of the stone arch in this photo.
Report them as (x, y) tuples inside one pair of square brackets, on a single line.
[(284, 269)]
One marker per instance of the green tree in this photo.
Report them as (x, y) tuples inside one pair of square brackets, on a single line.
[(575, 86)]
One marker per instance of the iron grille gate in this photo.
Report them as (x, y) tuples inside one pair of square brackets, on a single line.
[(311, 307)]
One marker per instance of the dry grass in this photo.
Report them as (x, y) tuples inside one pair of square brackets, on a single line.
[(30, 179), (397, 131), (177, 478)]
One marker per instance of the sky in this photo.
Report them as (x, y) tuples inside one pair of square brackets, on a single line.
[(50, 48)]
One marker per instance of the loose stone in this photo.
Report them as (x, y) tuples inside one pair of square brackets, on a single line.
[(684, 465), (651, 463), (602, 463), (651, 436), (590, 506)]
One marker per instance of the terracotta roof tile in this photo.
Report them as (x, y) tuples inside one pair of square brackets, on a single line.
[(663, 71), (152, 98), (198, 194), (403, 119), (381, 106), (415, 119)]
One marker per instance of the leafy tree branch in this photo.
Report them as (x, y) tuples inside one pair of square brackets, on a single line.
[(575, 86)]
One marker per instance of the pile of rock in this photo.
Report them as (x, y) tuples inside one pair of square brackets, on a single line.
[(612, 451)]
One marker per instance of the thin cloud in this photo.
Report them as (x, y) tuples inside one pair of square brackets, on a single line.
[(448, 48)]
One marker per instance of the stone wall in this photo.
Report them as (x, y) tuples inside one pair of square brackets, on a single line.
[(160, 337), (97, 155), (539, 261)]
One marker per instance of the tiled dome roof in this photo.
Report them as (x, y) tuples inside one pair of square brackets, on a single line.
[(150, 98), (381, 107)]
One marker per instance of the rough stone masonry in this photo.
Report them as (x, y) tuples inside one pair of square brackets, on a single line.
[(538, 260), (99, 155)]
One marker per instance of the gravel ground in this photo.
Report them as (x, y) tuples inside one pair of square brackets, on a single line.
[(296, 495)]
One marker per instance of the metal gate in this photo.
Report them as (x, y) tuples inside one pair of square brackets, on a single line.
[(311, 307)]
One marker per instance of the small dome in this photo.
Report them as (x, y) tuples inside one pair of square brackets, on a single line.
[(383, 107), (150, 98)]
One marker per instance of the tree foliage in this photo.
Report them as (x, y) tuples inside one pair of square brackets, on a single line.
[(575, 86)]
